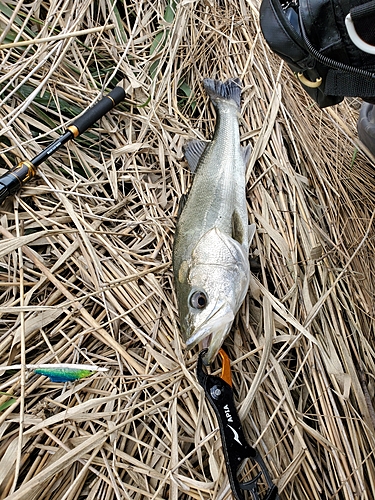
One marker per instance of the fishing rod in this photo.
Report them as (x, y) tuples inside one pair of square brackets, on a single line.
[(13, 180)]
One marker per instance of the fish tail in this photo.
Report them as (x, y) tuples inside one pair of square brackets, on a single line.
[(229, 90)]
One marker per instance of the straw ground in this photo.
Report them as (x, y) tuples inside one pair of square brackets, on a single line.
[(86, 261)]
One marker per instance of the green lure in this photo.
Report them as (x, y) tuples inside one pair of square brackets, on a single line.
[(60, 373)]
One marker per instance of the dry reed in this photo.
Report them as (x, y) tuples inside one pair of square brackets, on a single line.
[(86, 261)]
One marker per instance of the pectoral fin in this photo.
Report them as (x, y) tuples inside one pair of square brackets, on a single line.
[(238, 232)]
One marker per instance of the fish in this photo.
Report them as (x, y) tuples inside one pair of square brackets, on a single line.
[(212, 236)]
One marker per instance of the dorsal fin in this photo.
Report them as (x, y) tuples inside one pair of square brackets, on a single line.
[(252, 230), (246, 153), (193, 152)]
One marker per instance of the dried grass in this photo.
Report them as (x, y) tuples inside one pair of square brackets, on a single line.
[(86, 262)]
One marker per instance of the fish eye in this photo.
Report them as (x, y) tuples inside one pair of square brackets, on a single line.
[(198, 300)]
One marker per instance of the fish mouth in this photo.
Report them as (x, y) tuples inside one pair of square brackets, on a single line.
[(212, 332)]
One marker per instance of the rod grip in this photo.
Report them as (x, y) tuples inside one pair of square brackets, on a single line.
[(93, 114)]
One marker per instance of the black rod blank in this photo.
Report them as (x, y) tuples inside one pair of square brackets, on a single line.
[(13, 180)]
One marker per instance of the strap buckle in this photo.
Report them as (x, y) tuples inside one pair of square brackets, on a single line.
[(355, 38), (308, 83)]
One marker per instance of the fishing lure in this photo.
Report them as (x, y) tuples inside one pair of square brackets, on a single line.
[(60, 373)]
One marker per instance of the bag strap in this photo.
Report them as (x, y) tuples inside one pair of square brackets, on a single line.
[(363, 17), (343, 83)]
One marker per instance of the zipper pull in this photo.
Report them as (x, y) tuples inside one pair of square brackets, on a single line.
[(219, 393)]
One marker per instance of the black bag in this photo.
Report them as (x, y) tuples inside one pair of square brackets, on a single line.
[(313, 38)]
